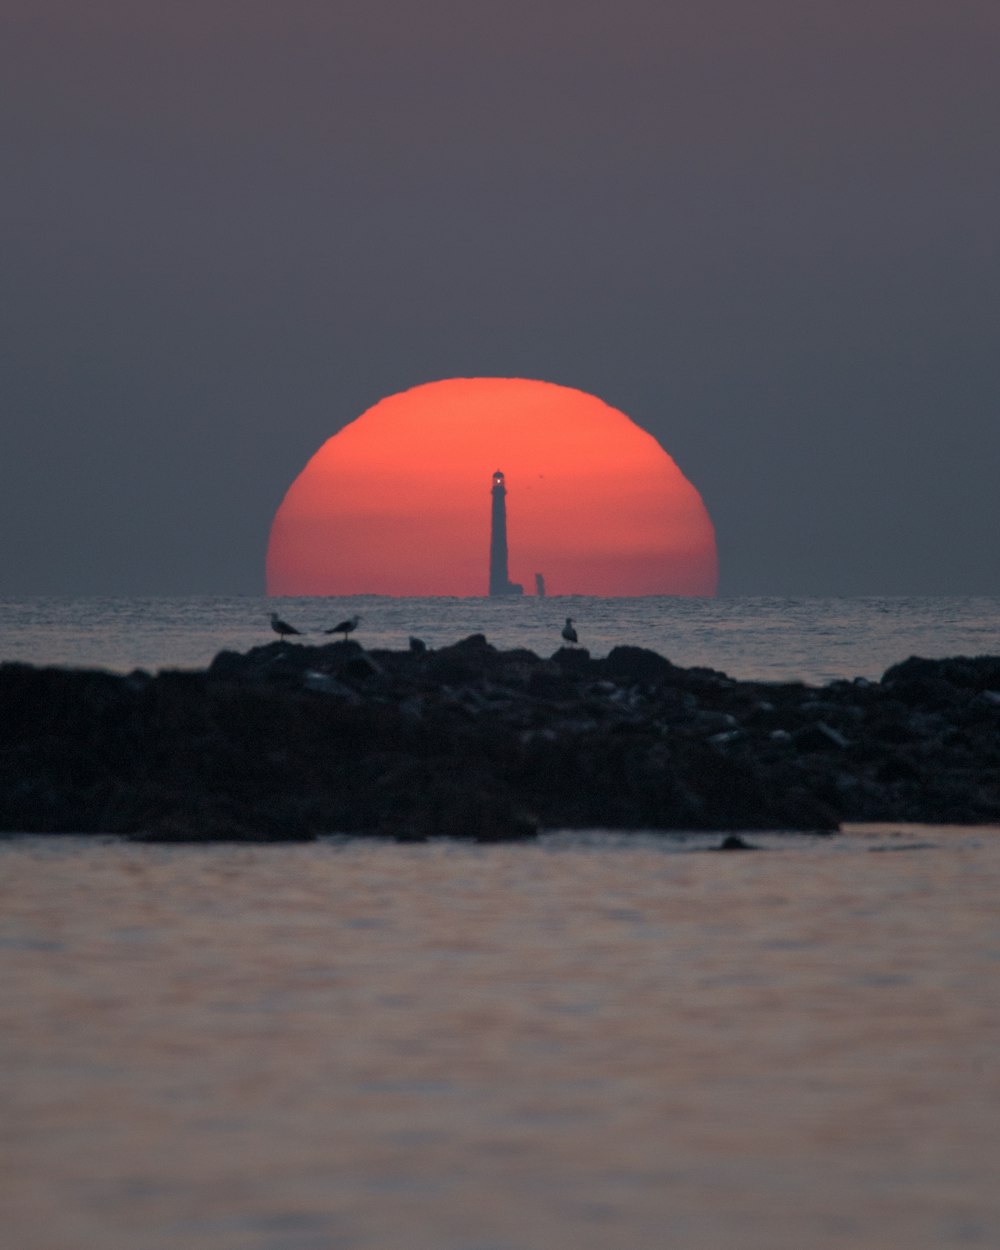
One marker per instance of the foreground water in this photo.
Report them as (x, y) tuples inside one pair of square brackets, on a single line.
[(815, 640), (589, 1043)]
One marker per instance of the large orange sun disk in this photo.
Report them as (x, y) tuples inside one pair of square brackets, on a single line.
[(398, 503)]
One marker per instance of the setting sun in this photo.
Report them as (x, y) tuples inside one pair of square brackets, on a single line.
[(398, 502)]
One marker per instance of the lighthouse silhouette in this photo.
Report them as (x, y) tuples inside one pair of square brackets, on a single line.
[(500, 584)]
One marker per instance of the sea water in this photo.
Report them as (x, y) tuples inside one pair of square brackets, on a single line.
[(589, 1043), (771, 639)]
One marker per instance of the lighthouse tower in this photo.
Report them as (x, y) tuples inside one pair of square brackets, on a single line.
[(499, 581)]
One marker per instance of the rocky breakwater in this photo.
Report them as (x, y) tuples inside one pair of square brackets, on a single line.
[(289, 742)]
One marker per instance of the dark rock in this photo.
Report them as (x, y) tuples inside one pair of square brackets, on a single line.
[(896, 767), (636, 664), (733, 842), (177, 829), (820, 737), (290, 741), (361, 666), (419, 802), (976, 673), (572, 659), (463, 661), (227, 665)]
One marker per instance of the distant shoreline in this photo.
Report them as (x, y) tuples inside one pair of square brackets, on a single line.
[(288, 742)]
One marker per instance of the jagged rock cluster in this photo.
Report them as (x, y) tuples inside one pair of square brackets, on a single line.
[(289, 742)]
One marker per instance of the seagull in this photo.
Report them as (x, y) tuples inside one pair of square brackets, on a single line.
[(345, 627), (568, 632), (417, 645), (282, 628)]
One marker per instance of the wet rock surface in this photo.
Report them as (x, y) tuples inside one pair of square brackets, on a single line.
[(288, 742)]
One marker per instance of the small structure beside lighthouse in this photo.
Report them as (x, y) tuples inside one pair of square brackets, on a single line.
[(500, 583)]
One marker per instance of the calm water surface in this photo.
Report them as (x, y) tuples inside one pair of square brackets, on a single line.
[(589, 1044)]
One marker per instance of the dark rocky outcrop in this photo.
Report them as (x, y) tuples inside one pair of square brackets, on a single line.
[(288, 742)]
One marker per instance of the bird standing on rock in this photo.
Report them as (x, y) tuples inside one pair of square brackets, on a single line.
[(569, 633), (345, 627), (282, 628)]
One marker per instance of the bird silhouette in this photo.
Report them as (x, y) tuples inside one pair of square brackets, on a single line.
[(417, 645), (568, 632), (282, 628), (345, 627)]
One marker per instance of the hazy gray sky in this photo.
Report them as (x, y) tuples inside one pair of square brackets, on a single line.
[(767, 231)]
